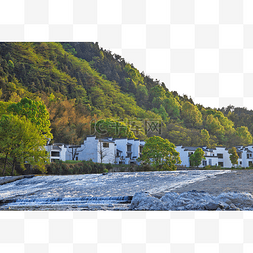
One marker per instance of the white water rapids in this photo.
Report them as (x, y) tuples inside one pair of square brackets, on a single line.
[(83, 191)]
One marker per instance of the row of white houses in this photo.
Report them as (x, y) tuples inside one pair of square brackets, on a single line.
[(126, 151), (106, 150), (217, 156)]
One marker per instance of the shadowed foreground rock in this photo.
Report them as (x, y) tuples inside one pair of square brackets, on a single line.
[(193, 200)]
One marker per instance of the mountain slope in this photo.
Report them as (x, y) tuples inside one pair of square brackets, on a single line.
[(80, 81)]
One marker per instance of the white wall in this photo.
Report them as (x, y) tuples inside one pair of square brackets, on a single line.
[(90, 149), (121, 144), (136, 149), (108, 154), (57, 148), (226, 160), (183, 156)]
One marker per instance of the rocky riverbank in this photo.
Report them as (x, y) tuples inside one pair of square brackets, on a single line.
[(229, 191)]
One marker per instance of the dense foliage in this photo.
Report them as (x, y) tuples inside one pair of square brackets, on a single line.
[(233, 156), (160, 153), (23, 135), (81, 83), (197, 157)]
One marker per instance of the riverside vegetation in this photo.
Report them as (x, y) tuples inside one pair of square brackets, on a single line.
[(60, 88)]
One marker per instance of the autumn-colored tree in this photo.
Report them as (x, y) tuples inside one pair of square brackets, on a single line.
[(69, 123)]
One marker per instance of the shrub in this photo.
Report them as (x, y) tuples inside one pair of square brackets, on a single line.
[(109, 166), (75, 170), (145, 167)]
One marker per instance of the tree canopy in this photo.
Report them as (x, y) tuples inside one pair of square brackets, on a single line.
[(35, 111), (233, 156), (160, 153), (21, 143), (197, 157), (82, 81)]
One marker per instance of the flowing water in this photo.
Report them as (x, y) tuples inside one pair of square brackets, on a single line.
[(92, 191)]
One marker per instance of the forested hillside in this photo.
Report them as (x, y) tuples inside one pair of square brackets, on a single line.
[(81, 83)]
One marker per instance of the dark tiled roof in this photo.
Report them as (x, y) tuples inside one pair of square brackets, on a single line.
[(190, 148)]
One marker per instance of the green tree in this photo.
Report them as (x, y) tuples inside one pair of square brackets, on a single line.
[(172, 106), (162, 112), (191, 115), (197, 157), (205, 137), (233, 156), (214, 127), (225, 122), (160, 153), (244, 134), (36, 112), (21, 143)]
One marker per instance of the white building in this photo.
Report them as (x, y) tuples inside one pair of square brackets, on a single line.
[(211, 158), (105, 150), (217, 156), (186, 152), (58, 151), (127, 151), (247, 156), (97, 150)]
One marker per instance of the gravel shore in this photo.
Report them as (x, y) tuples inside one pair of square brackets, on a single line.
[(235, 181)]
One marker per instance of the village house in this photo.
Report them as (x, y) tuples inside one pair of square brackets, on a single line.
[(98, 150), (217, 156), (127, 151), (58, 151), (105, 150)]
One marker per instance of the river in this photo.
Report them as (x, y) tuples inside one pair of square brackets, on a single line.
[(112, 191)]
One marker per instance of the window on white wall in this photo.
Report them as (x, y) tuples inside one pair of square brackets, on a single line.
[(55, 153), (105, 145)]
